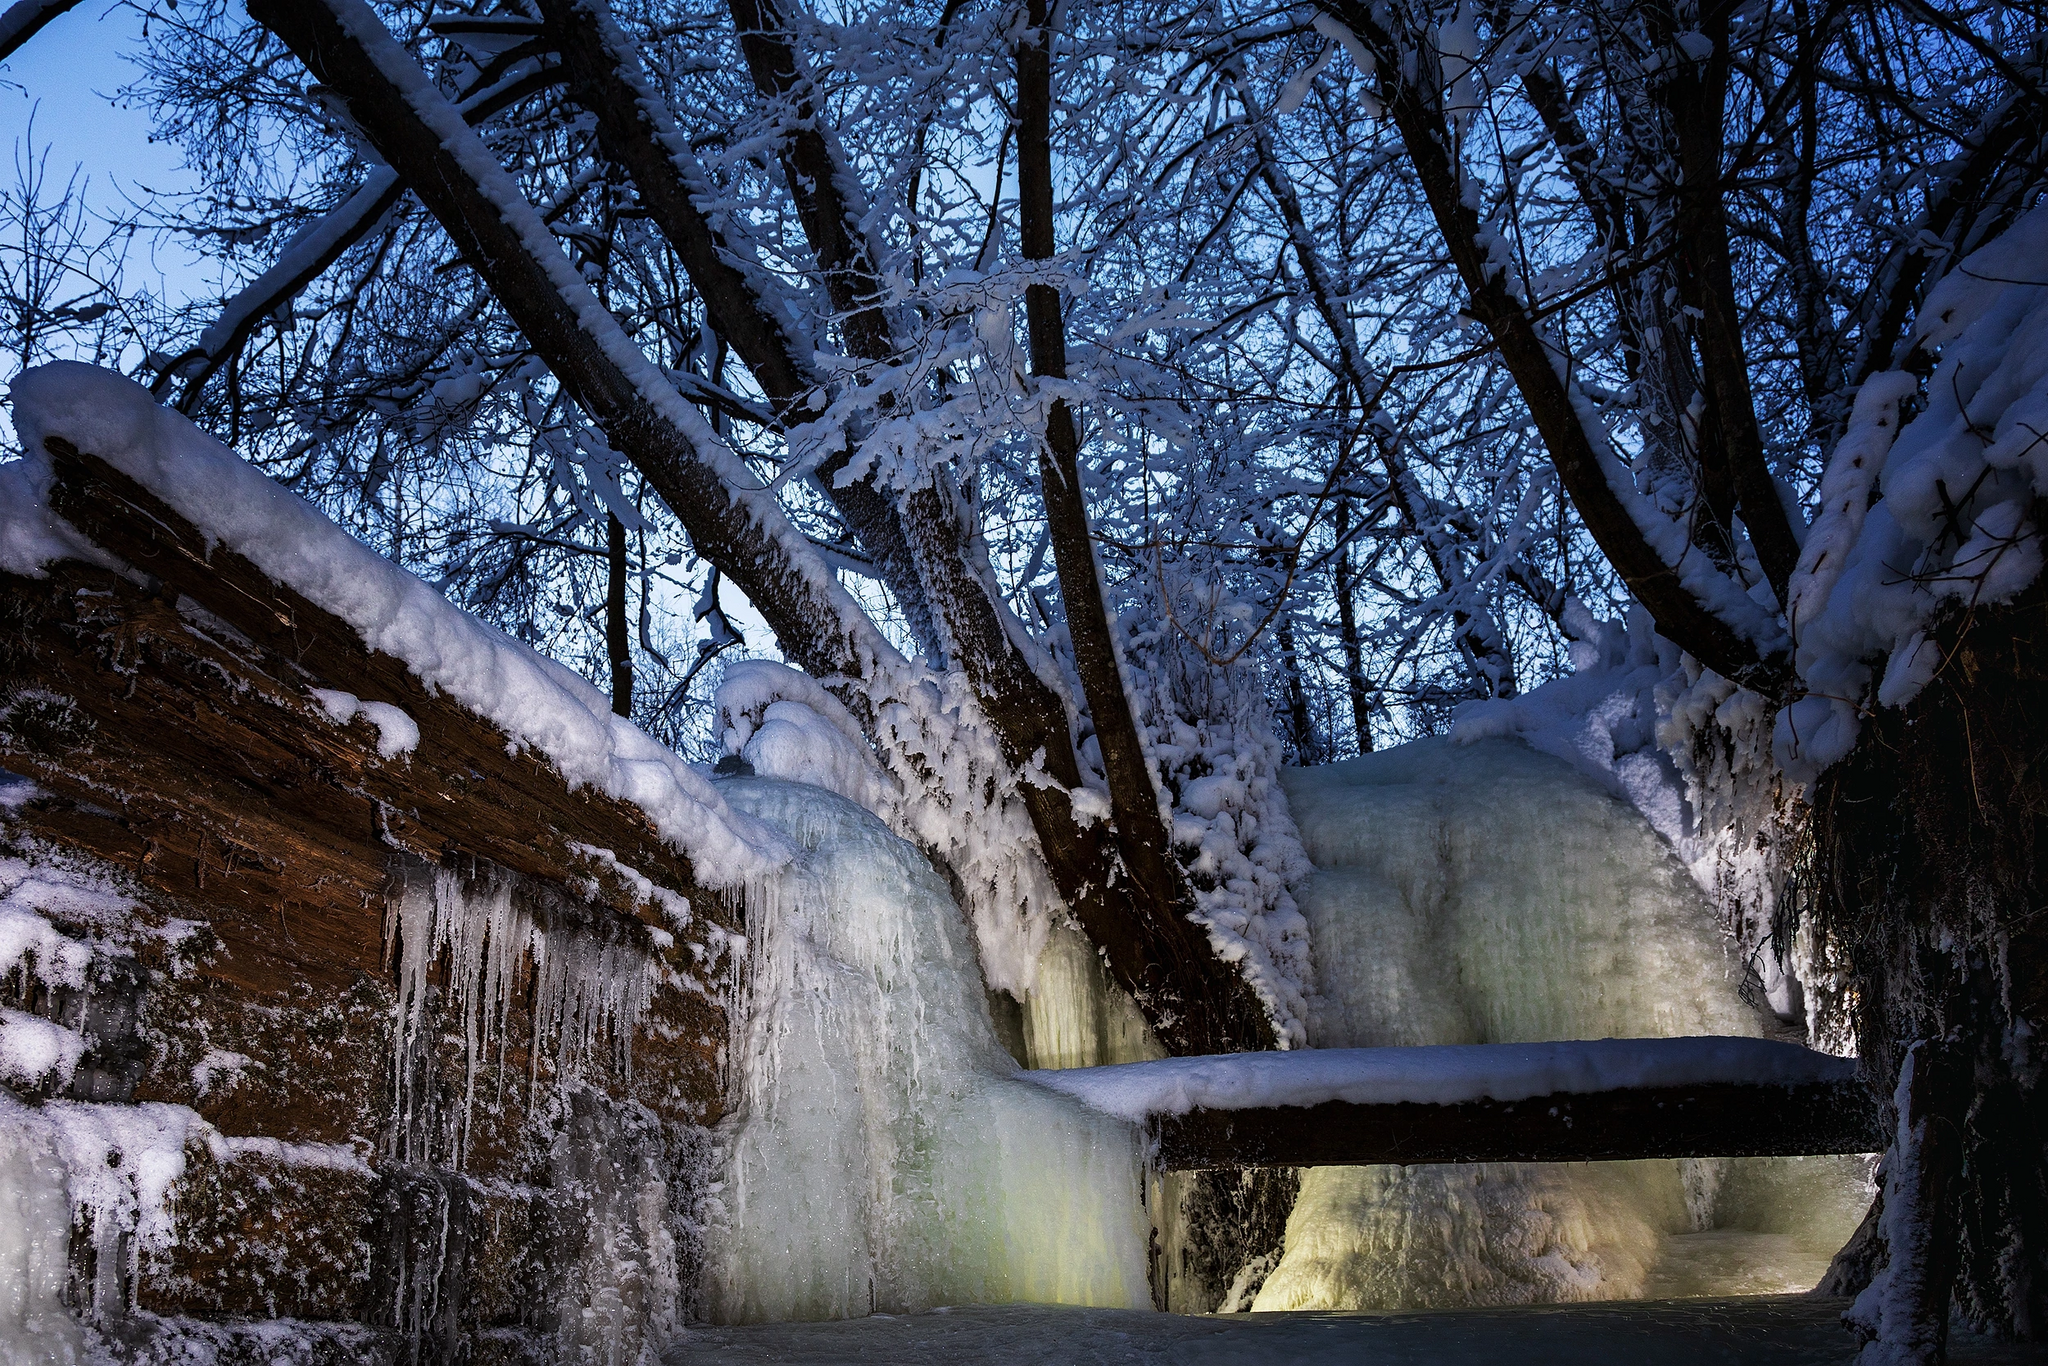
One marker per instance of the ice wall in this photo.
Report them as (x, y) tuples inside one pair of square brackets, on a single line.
[(35, 1240), (1485, 893), (881, 1154)]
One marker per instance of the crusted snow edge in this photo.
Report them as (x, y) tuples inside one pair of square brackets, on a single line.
[(535, 700), (1442, 1074)]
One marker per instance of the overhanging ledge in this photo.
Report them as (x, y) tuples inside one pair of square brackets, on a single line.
[(1606, 1099)]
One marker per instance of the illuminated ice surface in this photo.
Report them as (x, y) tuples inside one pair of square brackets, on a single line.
[(1486, 893), (884, 1154)]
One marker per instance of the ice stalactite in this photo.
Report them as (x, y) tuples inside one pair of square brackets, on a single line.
[(36, 1328), (589, 988), (1486, 893), (620, 1292), (882, 1154), (1074, 1017)]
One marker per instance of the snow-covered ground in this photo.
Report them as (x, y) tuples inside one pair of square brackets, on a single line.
[(1778, 1331)]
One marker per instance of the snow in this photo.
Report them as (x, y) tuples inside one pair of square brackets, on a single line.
[(787, 725), (1847, 489), (33, 1050), (1965, 473), (119, 1164), (299, 260), (397, 733), (674, 906), (883, 1153), (1209, 737), (218, 1067), (109, 1171), (1777, 1330), (535, 700), (34, 890), (1446, 1074), (15, 793), (31, 535)]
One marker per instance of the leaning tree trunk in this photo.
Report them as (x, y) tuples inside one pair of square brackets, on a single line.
[(1928, 845)]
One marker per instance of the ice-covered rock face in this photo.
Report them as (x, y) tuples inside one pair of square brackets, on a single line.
[(35, 1242), (882, 1155), (1486, 893)]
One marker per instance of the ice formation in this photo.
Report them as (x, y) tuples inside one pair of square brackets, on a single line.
[(1073, 1017), (1890, 1315), (946, 788), (106, 1170), (587, 988), (1692, 753), (1486, 893), (36, 1329), (883, 1154)]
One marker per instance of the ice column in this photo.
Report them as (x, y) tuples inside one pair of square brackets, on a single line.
[(35, 1240), (881, 1154)]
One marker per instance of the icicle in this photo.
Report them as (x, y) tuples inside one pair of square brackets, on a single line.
[(587, 989)]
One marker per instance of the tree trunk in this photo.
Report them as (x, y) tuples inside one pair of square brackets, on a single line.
[(618, 635), (1927, 846), (1301, 729), (1151, 879), (1344, 579)]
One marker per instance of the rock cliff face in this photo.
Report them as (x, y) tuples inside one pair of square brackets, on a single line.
[(393, 1035)]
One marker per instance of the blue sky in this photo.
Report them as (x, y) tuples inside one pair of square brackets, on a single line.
[(68, 77)]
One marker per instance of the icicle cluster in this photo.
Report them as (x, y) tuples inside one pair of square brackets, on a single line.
[(587, 988)]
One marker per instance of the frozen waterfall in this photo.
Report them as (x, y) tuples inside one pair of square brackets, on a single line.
[(1486, 893), (882, 1155)]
